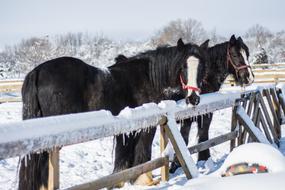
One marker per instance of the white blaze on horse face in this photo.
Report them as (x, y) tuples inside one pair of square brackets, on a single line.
[(250, 78), (192, 73)]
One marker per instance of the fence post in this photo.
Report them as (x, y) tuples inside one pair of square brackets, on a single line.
[(53, 178), (276, 105), (163, 144)]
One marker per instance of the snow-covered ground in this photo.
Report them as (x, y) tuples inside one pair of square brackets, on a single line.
[(88, 161)]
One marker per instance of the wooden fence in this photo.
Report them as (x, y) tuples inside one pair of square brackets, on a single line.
[(266, 73), (257, 116)]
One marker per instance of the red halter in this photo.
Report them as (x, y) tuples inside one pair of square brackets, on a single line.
[(230, 61), (187, 87)]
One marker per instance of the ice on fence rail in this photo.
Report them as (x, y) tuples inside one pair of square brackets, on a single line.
[(144, 110)]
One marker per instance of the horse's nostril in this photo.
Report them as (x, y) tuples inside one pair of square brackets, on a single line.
[(193, 99)]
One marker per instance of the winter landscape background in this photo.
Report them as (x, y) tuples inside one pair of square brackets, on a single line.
[(68, 28), (96, 49)]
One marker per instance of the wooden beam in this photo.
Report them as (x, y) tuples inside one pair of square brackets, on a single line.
[(125, 175), (234, 125), (276, 111), (183, 155), (10, 99), (254, 132), (213, 142), (11, 87), (268, 65), (268, 120), (254, 104), (163, 144), (282, 101), (273, 109), (265, 127), (53, 178)]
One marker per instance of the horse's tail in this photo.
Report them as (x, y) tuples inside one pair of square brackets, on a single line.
[(33, 173)]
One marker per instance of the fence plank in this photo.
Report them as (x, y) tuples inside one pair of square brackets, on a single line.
[(181, 151), (10, 99), (213, 142), (277, 111), (268, 120), (273, 109), (265, 127), (125, 175), (234, 126), (282, 101), (163, 144), (53, 179), (254, 132)]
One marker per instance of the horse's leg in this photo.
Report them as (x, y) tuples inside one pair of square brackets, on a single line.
[(142, 152), (34, 172), (185, 129), (124, 152), (203, 134)]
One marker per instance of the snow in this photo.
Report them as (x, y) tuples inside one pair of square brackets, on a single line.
[(256, 153), (253, 153), (256, 182)]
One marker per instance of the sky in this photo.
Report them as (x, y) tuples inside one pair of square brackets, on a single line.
[(124, 20)]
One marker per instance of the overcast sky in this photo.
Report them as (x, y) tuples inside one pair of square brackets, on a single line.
[(132, 19)]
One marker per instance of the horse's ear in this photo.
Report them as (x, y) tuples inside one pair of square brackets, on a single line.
[(233, 40), (180, 44), (121, 58), (205, 45), (240, 40)]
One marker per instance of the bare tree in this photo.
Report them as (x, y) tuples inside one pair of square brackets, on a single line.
[(31, 52), (260, 35), (189, 30), (215, 38)]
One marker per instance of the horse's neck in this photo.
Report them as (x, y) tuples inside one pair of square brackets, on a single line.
[(218, 71)]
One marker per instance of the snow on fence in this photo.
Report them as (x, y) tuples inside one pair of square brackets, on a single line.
[(257, 116)]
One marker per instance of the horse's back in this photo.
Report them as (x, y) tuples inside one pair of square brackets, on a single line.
[(61, 86)]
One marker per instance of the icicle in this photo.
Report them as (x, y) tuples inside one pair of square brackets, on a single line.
[(124, 143), (26, 161)]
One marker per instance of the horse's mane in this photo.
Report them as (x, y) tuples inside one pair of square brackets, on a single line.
[(163, 63), (218, 54)]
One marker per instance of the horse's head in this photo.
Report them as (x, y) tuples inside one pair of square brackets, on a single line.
[(192, 70), (237, 61)]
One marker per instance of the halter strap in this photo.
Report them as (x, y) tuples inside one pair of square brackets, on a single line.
[(230, 61), (188, 87)]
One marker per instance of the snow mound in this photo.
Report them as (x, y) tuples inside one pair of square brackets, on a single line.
[(256, 153)]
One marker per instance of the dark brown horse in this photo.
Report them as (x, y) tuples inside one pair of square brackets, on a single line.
[(68, 85), (228, 58)]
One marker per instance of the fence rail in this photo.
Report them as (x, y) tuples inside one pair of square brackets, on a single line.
[(265, 73)]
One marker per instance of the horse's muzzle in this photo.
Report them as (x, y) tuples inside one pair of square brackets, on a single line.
[(193, 99)]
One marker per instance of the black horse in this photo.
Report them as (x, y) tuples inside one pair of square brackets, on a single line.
[(228, 58), (68, 85)]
